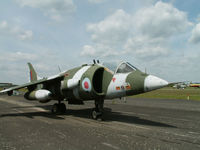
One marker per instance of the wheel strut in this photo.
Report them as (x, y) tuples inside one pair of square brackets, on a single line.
[(97, 112), (58, 108)]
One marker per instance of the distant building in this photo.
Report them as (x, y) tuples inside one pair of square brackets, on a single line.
[(6, 85)]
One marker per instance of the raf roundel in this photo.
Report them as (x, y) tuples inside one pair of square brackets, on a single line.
[(86, 85)]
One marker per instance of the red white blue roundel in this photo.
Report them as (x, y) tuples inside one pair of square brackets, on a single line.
[(86, 85)]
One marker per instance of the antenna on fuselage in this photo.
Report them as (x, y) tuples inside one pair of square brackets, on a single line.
[(59, 68)]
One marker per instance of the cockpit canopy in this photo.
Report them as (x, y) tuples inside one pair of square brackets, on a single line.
[(123, 67)]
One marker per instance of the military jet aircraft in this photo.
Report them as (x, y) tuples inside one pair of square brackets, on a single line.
[(88, 82)]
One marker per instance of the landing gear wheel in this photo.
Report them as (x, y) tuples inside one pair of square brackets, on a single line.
[(55, 109), (58, 108), (96, 114), (62, 108)]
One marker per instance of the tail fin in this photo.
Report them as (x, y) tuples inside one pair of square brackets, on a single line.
[(33, 74)]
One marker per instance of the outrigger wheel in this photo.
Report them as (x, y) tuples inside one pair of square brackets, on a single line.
[(58, 108)]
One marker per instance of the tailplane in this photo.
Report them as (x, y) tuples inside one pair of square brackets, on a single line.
[(33, 74)]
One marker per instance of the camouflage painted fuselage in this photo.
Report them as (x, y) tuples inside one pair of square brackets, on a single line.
[(89, 82), (98, 82)]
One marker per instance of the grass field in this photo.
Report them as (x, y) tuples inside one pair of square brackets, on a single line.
[(172, 93)]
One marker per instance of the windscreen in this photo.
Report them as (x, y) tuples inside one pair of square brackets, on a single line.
[(125, 68)]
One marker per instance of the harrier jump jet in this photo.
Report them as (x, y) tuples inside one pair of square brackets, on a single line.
[(88, 82)]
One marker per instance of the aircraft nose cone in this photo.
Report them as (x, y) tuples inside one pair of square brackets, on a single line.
[(152, 83)]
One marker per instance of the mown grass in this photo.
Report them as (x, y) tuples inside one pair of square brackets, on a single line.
[(172, 93)]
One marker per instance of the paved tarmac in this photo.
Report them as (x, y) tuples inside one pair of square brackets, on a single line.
[(138, 124)]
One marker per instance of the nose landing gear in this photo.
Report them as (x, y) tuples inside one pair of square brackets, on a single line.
[(97, 112)]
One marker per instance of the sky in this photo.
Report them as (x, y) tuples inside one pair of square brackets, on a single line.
[(161, 36)]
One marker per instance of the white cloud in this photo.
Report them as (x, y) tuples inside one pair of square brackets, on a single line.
[(112, 30), (88, 51), (96, 1), (145, 47), (161, 20), (17, 56), (26, 35), (3, 25), (108, 34), (11, 30), (195, 37), (13, 65), (146, 33), (55, 9), (98, 51)]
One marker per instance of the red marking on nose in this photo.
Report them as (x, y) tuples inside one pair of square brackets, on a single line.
[(86, 85), (66, 74), (113, 79)]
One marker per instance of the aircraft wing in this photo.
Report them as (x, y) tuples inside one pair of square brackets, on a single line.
[(34, 83), (173, 83)]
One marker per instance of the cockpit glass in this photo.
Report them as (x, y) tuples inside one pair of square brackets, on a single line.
[(123, 67)]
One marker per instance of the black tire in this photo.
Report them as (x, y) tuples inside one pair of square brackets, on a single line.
[(55, 109), (62, 108), (96, 114)]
